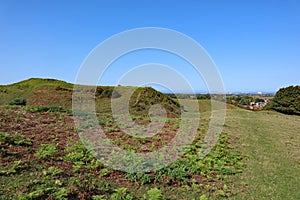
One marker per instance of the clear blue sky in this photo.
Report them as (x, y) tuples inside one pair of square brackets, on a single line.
[(254, 43)]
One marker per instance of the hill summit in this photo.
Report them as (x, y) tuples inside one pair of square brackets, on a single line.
[(52, 92)]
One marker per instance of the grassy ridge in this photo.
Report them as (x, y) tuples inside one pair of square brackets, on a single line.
[(51, 92)]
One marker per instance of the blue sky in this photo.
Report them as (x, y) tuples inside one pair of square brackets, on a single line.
[(255, 44)]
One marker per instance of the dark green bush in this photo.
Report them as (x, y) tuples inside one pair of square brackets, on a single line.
[(18, 101), (107, 92), (286, 100)]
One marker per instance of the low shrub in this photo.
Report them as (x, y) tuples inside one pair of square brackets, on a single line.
[(18, 101), (45, 109)]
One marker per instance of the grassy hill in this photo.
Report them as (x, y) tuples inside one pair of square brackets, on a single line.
[(42, 157), (38, 92), (51, 92)]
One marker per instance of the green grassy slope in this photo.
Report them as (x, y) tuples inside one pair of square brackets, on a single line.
[(270, 141), (51, 92), (38, 92)]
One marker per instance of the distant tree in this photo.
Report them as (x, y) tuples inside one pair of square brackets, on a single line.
[(286, 100), (203, 96), (259, 100), (243, 102), (239, 100)]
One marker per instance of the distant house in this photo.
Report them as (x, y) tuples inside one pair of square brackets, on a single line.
[(261, 104), (258, 105)]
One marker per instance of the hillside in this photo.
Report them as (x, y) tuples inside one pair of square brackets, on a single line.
[(51, 92), (38, 92), (257, 157), (42, 156)]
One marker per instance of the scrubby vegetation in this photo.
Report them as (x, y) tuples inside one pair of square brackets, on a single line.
[(237, 100), (286, 100), (42, 156)]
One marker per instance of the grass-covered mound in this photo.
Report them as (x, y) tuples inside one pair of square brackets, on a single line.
[(51, 92)]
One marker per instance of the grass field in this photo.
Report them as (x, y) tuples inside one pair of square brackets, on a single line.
[(271, 143)]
